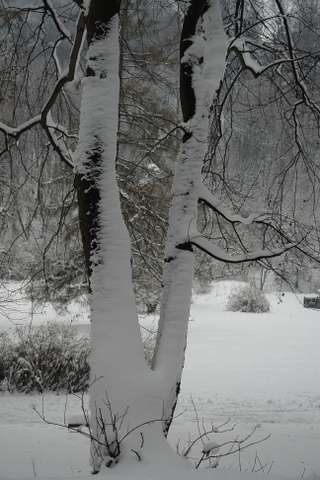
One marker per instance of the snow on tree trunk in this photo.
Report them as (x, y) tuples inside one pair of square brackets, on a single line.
[(124, 393), (203, 56), (129, 403)]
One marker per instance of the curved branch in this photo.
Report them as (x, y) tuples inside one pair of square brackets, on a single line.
[(249, 63), (206, 197), (214, 251), (60, 27), (44, 118), (68, 75), (15, 132)]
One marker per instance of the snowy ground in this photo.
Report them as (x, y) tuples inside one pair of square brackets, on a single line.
[(260, 370)]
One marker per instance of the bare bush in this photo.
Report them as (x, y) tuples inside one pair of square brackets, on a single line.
[(50, 357), (248, 299), (46, 357)]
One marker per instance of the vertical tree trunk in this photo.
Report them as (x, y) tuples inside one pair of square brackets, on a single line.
[(98, 24), (202, 68), (117, 353), (125, 394)]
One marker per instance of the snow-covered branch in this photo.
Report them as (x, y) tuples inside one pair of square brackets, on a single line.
[(45, 118), (67, 75), (15, 132), (215, 204), (59, 25), (248, 62), (214, 251)]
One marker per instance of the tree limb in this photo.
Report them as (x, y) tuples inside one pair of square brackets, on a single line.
[(211, 201), (44, 118), (214, 251)]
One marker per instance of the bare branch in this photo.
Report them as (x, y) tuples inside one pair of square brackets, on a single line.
[(59, 25), (249, 63), (44, 118), (214, 251), (215, 204)]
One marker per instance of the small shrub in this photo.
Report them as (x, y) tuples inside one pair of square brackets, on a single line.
[(46, 357), (248, 299), (49, 357), (149, 340)]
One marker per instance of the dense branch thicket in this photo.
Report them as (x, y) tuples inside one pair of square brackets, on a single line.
[(263, 149), (39, 207), (270, 164)]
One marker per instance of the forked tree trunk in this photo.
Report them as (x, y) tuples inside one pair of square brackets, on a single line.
[(124, 393), (126, 396)]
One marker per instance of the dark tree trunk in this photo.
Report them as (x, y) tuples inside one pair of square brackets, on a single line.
[(187, 95), (88, 192)]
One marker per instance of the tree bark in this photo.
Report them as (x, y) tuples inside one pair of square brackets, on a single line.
[(122, 382), (198, 81), (187, 94), (98, 21), (126, 397)]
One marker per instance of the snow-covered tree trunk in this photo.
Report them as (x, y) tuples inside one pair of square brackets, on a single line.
[(131, 404), (117, 354), (203, 56), (124, 393)]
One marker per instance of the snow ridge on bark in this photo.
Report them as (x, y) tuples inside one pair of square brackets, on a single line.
[(206, 58), (126, 397)]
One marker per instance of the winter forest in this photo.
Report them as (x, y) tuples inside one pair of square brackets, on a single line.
[(149, 148)]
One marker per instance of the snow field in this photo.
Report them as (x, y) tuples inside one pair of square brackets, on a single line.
[(259, 370)]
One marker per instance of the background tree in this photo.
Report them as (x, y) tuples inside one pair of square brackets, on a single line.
[(148, 138), (260, 129)]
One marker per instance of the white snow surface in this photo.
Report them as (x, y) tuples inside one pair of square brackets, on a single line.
[(259, 370)]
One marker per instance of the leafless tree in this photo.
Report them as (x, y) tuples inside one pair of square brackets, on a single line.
[(216, 52)]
